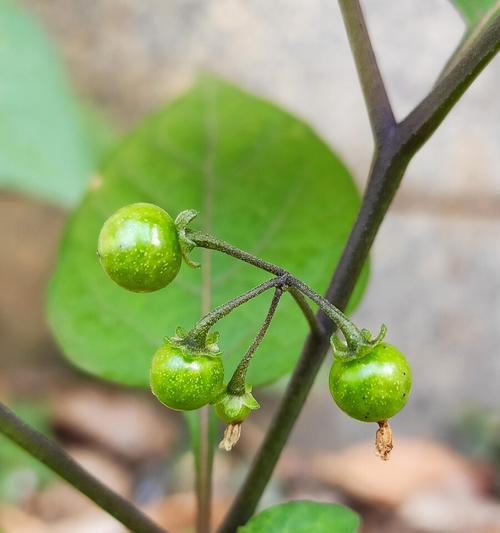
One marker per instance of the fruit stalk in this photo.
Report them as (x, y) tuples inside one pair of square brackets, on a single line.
[(236, 384), (351, 333), (197, 336)]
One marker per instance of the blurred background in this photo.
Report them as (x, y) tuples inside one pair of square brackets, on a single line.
[(434, 273)]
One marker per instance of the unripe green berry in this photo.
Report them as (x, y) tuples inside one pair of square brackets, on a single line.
[(374, 387), (139, 248), (183, 379)]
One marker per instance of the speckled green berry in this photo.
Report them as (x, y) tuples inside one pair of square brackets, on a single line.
[(373, 387), (185, 380), (139, 248)]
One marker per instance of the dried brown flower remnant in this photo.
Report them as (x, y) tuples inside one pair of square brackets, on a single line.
[(231, 437), (383, 440)]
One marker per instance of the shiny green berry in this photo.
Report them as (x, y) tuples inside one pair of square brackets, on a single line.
[(139, 248), (373, 387), (184, 379)]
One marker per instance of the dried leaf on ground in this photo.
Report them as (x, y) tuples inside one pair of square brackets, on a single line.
[(414, 466), (125, 424)]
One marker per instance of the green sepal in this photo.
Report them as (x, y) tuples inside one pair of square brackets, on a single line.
[(184, 218), (341, 350), (234, 408), (249, 399), (182, 340), (212, 343), (181, 223)]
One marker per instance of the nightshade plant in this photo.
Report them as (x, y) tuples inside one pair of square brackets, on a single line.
[(216, 139), (139, 248)]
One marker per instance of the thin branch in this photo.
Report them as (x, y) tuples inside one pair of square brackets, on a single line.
[(204, 240), (377, 102), (419, 125), (351, 333), (52, 455), (199, 332), (237, 383), (469, 37), (391, 158), (308, 313)]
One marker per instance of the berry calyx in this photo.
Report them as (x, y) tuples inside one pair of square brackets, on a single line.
[(234, 409)]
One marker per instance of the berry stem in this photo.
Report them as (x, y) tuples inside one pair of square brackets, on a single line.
[(351, 333), (197, 337), (236, 384)]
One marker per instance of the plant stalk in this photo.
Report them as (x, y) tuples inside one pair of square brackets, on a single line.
[(53, 456), (198, 334), (236, 384)]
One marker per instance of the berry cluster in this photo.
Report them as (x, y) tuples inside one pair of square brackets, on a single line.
[(141, 249)]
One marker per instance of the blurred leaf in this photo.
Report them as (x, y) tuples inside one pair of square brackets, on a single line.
[(473, 11), (304, 517), (20, 473), (194, 425), (49, 147), (99, 134), (261, 180)]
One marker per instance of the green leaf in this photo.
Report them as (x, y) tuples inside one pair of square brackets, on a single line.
[(49, 146), (304, 517), (260, 178), (473, 11)]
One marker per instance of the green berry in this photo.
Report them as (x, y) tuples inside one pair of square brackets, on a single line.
[(139, 248), (373, 387), (184, 379)]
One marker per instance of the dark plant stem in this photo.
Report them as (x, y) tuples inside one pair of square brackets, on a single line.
[(395, 146), (377, 102), (53, 456), (469, 37), (236, 384)]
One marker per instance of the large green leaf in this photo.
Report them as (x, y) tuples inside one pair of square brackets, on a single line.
[(473, 11), (304, 517), (48, 147), (260, 178)]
